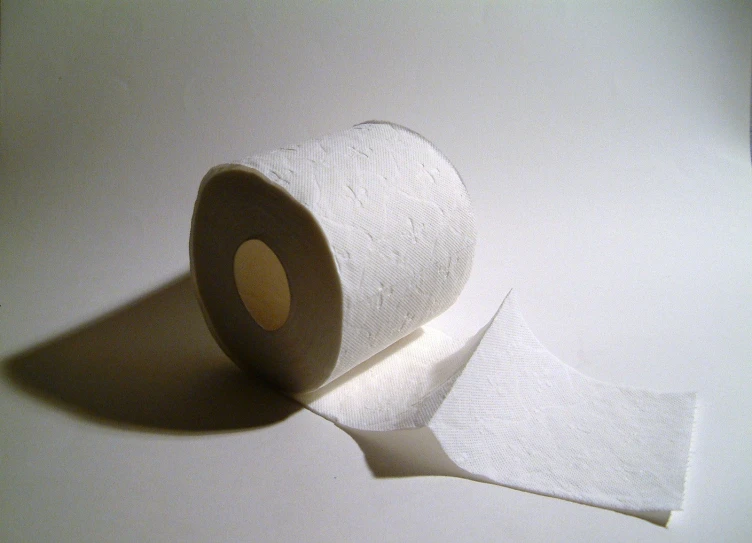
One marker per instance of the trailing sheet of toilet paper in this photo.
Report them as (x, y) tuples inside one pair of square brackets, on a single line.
[(316, 266)]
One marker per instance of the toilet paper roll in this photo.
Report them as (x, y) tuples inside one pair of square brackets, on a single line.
[(316, 266), (373, 228)]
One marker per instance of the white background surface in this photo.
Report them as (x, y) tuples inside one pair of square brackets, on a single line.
[(606, 151)]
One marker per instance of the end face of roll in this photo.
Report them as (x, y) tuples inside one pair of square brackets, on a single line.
[(294, 347)]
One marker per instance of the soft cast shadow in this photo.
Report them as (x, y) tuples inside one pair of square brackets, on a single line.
[(153, 365), (417, 452)]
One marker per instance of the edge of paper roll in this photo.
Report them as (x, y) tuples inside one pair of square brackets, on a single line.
[(317, 232)]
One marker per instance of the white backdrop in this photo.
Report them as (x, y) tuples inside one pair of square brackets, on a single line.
[(606, 152)]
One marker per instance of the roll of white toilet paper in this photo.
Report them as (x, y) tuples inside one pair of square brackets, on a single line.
[(316, 266)]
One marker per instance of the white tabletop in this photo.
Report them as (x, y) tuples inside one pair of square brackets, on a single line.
[(606, 151)]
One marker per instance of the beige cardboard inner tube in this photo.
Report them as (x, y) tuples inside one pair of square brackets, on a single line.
[(262, 284)]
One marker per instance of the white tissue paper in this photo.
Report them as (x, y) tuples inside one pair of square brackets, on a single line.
[(374, 229)]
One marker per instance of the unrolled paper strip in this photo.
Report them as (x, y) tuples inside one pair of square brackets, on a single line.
[(374, 230)]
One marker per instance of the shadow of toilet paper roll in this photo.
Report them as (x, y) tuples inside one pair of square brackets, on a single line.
[(152, 364)]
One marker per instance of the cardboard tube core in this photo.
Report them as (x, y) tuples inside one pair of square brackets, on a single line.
[(262, 284)]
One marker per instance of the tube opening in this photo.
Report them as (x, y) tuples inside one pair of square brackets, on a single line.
[(262, 284)]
